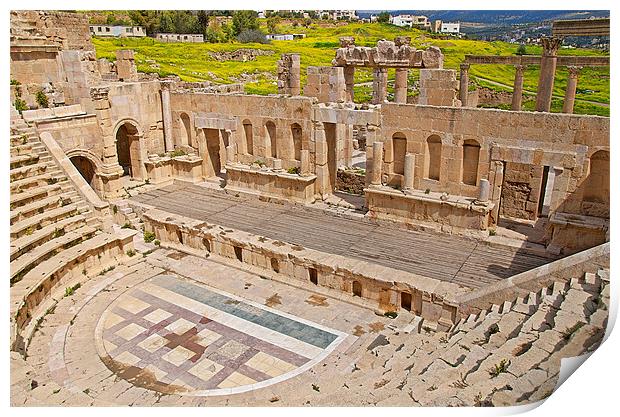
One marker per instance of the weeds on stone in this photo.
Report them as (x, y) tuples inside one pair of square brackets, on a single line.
[(106, 270), (499, 368), (427, 191), (58, 233), (51, 310), (20, 105), (391, 314), (571, 330), (42, 99), (69, 291), (492, 232), (157, 242), (131, 252), (316, 388), (114, 209), (294, 170), (51, 181), (127, 225), (177, 152), (149, 236)]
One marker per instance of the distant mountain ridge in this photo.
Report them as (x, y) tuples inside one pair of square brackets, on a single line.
[(499, 17)]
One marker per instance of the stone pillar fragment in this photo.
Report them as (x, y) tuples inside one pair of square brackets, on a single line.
[(548, 63), (517, 92), (289, 75), (377, 161), (305, 162), (349, 81), (111, 171), (409, 172), (400, 85), (379, 85), (125, 65), (571, 89), (485, 189), (230, 154), (167, 115), (464, 84)]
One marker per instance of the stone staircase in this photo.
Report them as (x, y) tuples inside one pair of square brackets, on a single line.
[(506, 355), (50, 222)]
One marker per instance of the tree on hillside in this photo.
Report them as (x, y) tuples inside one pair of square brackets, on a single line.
[(148, 19), (521, 50), (166, 25), (272, 24), (383, 17), (307, 22), (185, 22), (244, 20), (203, 21)]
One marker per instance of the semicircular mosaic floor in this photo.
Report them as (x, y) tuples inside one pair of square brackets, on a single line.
[(175, 335)]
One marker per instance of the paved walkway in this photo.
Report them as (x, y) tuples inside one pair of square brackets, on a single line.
[(448, 258)]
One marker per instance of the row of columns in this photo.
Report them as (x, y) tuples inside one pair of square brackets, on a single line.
[(545, 86)]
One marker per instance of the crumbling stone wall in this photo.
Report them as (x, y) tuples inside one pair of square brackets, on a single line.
[(289, 74), (521, 190), (438, 87), (326, 84), (68, 31)]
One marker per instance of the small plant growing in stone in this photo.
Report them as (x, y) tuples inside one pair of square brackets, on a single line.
[(131, 252), (15, 82), (316, 388), (52, 181), (391, 314), (177, 152), (149, 236), (114, 209), (492, 232), (427, 191), (69, 291), (157, 242), (20, 105), (42, 99), (499, 368), (293, 170), (127, 225)]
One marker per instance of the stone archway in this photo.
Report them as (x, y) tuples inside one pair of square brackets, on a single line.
[(129, 149), (85, 167)]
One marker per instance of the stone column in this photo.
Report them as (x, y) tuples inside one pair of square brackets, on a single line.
[(379, 85), (548, 63), (409, 172), (517, 91), (485, 189), (400, 85), (167, 115), (320, 159), (571, 89), (305, 162), (111, 171), (496, 179), (377, 161), (464, 84), (230, 154), (349, 81)]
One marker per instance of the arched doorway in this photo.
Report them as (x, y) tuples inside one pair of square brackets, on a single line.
[(273, 140), (186, 131), (85, 167), (128, 149), (296, 133)]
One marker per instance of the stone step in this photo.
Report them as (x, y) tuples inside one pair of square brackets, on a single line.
[(25, 197), (20, 228), (27, 171), (35, 181), (17, 140), (24, 160), (22, 149), (24, 244), (36, 207), (23, 264)]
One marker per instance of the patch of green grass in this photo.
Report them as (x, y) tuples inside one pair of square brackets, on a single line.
[(69, 291), (193, 62), (149, 236)]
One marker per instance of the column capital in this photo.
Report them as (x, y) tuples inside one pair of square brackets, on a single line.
[(99, 93), (520, 68), (550, 45), (464, 66), (166, 84), (573, 71)]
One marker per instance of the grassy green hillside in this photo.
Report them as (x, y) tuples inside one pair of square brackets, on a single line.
[(192, 62)]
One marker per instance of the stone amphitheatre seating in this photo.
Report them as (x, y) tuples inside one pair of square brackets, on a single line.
[(506, 355), (54, 233)]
